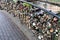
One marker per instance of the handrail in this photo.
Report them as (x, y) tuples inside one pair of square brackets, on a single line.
[(51, 13)]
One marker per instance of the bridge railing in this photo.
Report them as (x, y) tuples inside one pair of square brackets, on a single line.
[(50, 12), (45, 23)]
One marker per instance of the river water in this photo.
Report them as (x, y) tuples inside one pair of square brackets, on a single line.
[(51, 7)]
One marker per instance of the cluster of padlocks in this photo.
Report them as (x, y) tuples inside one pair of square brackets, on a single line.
[(42, 24)]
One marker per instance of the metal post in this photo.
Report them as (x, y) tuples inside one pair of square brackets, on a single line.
[(45, 6), (5, 0)]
